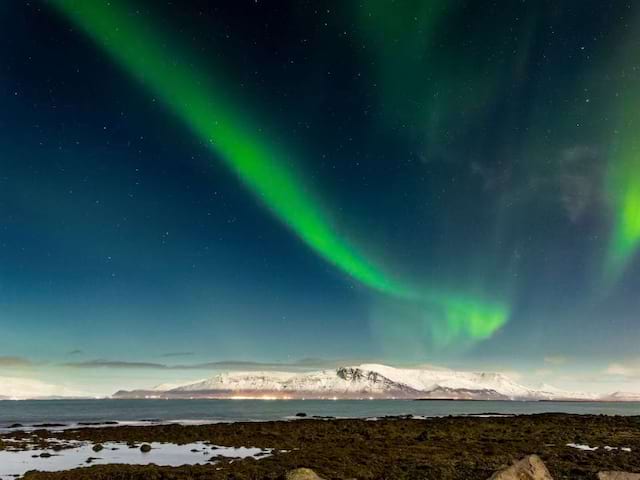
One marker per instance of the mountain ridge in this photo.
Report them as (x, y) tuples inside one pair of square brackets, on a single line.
[(367, 381)]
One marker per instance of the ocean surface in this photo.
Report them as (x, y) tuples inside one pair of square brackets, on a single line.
[(72, 412)]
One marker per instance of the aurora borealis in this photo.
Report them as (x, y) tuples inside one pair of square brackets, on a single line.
[(624, 189), (399, 181), (201, 104), (258, 165)]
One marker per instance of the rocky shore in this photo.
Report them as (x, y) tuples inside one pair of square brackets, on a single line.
[(570, 447)]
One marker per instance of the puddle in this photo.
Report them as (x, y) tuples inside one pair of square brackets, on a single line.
[(14, 463)]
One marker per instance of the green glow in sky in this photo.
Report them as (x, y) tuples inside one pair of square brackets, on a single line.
[(623, 173), (407, 51), (237, 140), (624, 192), (466, 318), (623, 176), (264, 168)]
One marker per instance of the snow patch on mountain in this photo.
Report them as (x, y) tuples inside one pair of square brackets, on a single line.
[(428, 379), (549, 392), (623, 397), (163, 387), (345, 380)]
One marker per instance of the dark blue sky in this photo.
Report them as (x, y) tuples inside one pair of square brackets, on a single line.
[(466, 149)]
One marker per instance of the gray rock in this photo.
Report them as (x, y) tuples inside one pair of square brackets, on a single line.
[(618, 476), (302, 474), (529, 468)]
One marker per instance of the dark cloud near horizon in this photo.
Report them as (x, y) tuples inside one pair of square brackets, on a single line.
[(115, 364), (77, 351), (177, 354), (9, 361), (304, 363)]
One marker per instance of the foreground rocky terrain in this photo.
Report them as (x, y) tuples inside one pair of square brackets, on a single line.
[(392, 448)]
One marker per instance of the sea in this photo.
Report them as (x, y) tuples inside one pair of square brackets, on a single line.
[(73, 413)]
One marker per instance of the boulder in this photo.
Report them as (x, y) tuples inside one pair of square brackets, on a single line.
[(529, 468), (302, 474), (144, 448), (618, 476)]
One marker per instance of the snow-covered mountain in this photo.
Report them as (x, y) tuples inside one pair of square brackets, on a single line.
[(622, 397), (364, 381), (549, 392), (13, 388), (163, 387), (346, 380)]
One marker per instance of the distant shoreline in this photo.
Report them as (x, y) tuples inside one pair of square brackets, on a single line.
[(235, 399)]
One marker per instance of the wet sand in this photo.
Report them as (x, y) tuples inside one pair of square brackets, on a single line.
[(392, 448)]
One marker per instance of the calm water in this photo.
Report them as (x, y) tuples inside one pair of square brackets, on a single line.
[(71, 412), (14, 463)]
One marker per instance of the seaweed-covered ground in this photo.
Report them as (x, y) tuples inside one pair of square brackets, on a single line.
[(391, 448)]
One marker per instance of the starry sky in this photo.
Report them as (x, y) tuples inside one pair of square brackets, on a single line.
[(193, 186)]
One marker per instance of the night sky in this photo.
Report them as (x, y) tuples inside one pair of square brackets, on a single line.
[(313, 183)]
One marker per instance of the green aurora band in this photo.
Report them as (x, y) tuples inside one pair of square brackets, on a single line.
[(622, 180), (206, 107), (624, 193)]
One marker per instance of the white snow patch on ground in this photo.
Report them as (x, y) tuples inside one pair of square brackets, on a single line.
[(581, 446), (622, 449), (587, 448)]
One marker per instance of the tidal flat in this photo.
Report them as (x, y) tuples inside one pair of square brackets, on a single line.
[(444, 448)]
